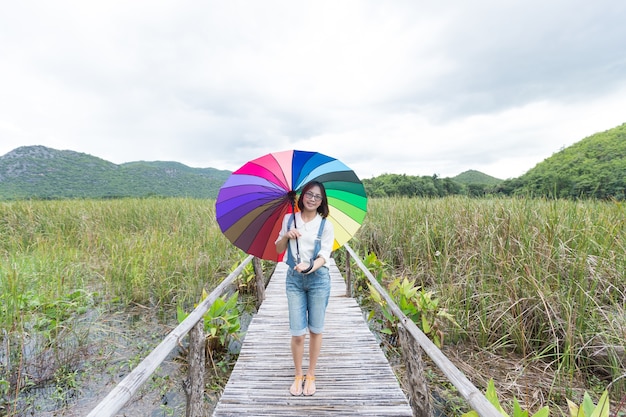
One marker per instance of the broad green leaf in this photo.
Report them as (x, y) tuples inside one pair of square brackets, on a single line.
[(425, 325), (492, 396), (602, 409), (573, 408), (375, 295), (517, 409), (543, 412), (181, 314), (588, 406)]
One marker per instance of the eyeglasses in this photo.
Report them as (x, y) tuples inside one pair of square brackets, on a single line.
[(314, 197)]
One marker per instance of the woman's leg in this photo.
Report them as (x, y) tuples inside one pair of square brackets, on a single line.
[(315, 345), (317, 301), (297, 351), (297, 303)]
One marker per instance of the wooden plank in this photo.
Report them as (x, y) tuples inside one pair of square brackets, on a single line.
[(353, 375)]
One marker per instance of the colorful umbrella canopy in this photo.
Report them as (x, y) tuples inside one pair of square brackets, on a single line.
[(252, 202)]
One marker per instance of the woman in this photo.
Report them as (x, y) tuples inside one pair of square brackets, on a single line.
[(308, 279)]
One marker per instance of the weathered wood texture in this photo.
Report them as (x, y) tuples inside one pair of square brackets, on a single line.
[(260, 282), (419, 393), (194, 388), (123, 392), (467, 390), (353, 375)]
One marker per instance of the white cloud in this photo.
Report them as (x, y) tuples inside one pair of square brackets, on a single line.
[(398, 87)]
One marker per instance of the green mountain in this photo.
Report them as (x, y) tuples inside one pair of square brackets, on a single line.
[(44, 173), (594, 167), (476, 177)]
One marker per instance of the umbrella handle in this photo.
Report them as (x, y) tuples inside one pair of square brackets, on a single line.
[(306, 271)]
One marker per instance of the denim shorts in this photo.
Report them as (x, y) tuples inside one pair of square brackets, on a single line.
[(307, 297)]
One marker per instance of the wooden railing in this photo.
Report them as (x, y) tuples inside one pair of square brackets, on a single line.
[(411, 334), (124, 391), (419, 400)]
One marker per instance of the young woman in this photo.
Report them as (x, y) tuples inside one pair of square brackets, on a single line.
[(308, 280)]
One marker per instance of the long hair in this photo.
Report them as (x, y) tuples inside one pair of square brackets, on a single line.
[(322, 209)]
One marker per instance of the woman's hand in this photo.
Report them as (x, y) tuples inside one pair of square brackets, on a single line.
[(302, 266), (293, 234), (281, 245)]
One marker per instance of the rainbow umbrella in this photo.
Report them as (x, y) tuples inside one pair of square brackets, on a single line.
[(252, 202)]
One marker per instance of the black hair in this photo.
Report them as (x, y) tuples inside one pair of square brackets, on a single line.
[(322, 209)]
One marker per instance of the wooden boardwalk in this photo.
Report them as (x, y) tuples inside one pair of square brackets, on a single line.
[(353, 376)]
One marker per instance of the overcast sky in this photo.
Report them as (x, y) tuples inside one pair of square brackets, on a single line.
[(398, 86)]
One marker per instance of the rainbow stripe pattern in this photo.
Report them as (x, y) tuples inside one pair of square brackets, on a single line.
[(252, 202)]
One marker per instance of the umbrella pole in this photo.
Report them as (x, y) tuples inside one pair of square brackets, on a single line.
[(298, 260), (292, 196)]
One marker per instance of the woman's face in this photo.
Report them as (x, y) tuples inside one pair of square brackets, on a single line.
[(312, 198)]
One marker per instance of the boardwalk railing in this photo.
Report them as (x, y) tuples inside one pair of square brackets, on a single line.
[(472, 395), (354, 377), (124, 391)]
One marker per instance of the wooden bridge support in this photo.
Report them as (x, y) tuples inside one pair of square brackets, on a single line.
[(260, 282), (194, 387), (419, 394), (195, 383)]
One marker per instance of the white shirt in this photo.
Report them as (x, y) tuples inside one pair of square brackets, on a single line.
[(306, 242)]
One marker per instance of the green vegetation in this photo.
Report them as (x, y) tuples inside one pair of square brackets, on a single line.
[(38, 172), (146, 251), (418, 304), (541, 280), (62, 262), (492, 396), (221, 321), (586, 409), (393, 185), (595, 167), (476, 177)]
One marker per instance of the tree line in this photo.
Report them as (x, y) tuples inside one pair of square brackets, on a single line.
[(609, 185)]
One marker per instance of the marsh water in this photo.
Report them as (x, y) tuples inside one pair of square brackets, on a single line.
[(70, 373)]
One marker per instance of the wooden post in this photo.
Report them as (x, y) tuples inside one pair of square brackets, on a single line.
[(194, 389), (474, 397), (115, 400), (416, 384), (348, 276), (260, 282)]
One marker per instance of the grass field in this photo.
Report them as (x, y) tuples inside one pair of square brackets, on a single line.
[(543, 280)]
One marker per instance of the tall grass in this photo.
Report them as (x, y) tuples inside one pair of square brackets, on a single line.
[(145, 251), (61, 259), (542, 278)]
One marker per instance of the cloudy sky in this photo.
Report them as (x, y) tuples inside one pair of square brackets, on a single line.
[(399, 86)]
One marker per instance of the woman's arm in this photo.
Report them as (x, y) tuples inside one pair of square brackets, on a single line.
[(281, 244), (285, 235), (328, 239)]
